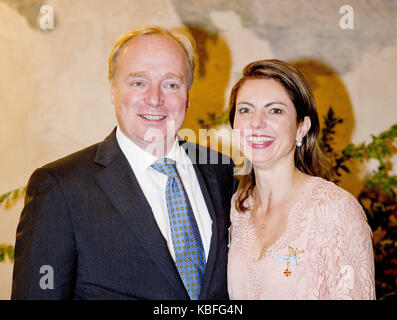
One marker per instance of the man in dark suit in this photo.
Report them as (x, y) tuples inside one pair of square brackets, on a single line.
[(96, 224)]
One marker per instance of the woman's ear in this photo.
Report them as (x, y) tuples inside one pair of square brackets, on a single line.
[(303, 128)]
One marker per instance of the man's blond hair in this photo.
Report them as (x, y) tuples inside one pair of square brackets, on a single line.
[(181, 37)]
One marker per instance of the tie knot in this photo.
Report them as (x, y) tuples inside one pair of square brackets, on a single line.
[(166, 166)]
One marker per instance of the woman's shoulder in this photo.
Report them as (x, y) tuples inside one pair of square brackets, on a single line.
[(328, 190), (326, 196)]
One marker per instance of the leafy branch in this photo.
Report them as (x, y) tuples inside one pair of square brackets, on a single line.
[(10, 198), (380, 148), (213, 120), (6, 250)]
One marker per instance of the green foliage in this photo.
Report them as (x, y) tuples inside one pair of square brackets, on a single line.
[(6, 250), (213, 120), (9, 198), (379, 149)]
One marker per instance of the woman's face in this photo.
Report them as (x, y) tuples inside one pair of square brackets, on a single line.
[(266, 123)]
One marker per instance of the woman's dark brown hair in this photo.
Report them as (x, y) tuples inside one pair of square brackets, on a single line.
[(308, 157)]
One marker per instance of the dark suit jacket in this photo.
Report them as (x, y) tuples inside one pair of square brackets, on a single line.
[(87, 218)]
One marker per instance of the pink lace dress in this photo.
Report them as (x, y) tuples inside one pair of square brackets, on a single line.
[(325, 252)]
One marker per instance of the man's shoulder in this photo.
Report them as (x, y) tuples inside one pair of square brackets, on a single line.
[(68, 172), (101, 152), (76, 160)]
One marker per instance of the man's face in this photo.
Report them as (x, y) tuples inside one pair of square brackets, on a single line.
[(149, 90)]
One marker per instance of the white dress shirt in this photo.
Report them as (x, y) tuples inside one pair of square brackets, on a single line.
[(153, 185)]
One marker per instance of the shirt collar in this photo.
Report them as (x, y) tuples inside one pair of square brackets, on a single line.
[(145, 159)]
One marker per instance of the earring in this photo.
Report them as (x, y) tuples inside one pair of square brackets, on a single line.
[(299, 143)]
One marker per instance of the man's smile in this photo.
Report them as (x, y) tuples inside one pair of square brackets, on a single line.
[(152, 117)]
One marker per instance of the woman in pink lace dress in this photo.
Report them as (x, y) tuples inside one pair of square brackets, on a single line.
[(294, 234)]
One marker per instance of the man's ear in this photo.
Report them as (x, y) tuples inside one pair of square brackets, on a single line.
[(112, 93), (187, 101), (303, 128)]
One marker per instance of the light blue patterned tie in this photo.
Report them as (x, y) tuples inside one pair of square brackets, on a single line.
[(189, 251)]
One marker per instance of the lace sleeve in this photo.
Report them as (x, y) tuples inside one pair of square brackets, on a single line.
[(344, 251)]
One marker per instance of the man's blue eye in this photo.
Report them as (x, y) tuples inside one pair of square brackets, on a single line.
[(137, 84), (172, 86)]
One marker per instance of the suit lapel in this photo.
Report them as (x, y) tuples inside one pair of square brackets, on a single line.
[(118, 182), (208, 184)]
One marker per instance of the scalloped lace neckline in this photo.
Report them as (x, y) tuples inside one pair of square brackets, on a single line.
[(290, 232)]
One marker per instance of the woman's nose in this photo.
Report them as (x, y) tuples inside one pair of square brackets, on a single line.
[(258, 120)]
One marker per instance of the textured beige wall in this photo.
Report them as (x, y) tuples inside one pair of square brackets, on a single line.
[(55, 95)]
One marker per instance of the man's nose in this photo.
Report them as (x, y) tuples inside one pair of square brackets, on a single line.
[(154, 96)]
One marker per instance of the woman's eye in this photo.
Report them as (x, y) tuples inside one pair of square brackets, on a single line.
[(243, 110), (276, 111)]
